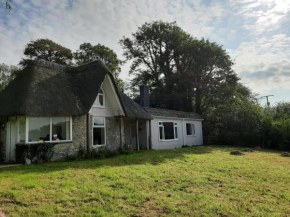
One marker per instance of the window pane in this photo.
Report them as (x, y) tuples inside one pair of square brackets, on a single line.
[(99, 136), (99, 121), (101, 91), (38, 129), (188, 129), (160, 132), (60, 128), (22, 126), (176, 133), (101, 100), (168, 130)]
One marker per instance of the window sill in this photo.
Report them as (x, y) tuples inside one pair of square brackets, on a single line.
[(54, 142), (168, 140), (96, 146)]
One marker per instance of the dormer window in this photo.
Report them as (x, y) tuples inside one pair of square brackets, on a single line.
[(100, 101)]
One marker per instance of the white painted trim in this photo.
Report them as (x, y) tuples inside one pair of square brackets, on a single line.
[(26, 129), (71, 129), (105, 131), (50, 130), (116, 96), (167, 140), (98, 99), (192, 125)]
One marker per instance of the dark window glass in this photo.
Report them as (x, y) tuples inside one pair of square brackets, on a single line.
[(176, 133), (188, 129), (99, 136), (168, 130), (161, 132)]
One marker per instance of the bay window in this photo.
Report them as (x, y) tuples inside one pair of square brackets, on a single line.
[(44, 129), (168, 131), (99, 132)]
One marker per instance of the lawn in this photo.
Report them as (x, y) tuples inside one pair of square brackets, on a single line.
[(200, 181)]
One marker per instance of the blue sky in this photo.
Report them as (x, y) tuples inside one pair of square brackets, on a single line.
[(256, 33)]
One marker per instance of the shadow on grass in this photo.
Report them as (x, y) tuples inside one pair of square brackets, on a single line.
[(152, 157)]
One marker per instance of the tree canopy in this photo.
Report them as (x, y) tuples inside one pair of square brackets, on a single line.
[(7, 74), (88, 53), (48, 50), (182, 72)]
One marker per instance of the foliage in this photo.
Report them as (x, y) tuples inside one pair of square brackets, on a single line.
[(88, 53), (276, 126), (7, 74), (48, 50), (236, 121), (196, 181), (125, 150), (104, 152), (1, 151), (183, 73), (38, 152)]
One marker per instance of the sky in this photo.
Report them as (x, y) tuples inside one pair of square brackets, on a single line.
[(256, 33)]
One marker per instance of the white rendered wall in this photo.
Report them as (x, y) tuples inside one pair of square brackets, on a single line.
[(183, 139)]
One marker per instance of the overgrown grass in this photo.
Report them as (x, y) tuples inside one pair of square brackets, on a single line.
[(201, 181)]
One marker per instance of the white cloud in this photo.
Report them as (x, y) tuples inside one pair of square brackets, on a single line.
[(256, 32)]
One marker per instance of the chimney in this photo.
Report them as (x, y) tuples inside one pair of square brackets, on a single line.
[(144, 96)]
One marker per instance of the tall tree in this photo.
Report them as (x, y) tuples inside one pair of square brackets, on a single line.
[(7, 74), (48, 50), (154, 49), (88, 53), (182, 72)]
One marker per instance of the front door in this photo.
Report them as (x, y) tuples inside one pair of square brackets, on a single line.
[(11, 141), (133, 136)]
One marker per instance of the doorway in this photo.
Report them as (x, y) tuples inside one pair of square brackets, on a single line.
[(11, 140), (133, 136)]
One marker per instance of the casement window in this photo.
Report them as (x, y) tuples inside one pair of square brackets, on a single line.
[(168, 131), (99, 131), (100, 101), (190, 129), (45, 129)]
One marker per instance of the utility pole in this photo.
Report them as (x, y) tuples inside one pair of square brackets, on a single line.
[(267, 97)]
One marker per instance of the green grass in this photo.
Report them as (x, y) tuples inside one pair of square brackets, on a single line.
[(200, 181)]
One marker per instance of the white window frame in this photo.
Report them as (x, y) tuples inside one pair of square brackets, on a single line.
[(192, 125), (175, 125), (50, 133), (105, 136), (98, 105)]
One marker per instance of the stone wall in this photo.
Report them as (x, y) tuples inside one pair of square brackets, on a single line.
[(113, 134), (63, 150), (2, 140)]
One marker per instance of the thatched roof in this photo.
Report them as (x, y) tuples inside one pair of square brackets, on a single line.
[(133, 109), (172, 113), (48, 89)]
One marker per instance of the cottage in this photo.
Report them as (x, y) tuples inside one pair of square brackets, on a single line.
[(81, 107)]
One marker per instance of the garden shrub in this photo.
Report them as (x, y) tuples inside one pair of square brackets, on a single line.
[(39, 152), (126, 149), (104, 152)]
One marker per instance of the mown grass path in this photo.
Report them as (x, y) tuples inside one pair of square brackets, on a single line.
[(200, 181)]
